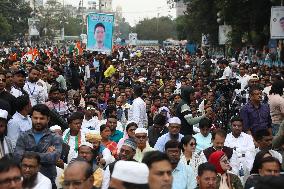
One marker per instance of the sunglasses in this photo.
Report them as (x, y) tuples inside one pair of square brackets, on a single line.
[(3, 80), (193, 144)]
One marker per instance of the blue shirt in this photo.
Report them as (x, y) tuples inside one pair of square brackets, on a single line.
[(162, 140), (183, 177), (117, 135), (37, 136), (255, 119), (202, 142)]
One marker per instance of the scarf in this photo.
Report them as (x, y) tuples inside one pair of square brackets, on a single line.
[(77, 140), (214, 159)]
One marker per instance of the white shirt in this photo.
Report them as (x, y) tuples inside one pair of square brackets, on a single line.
[(243, 80), (202, 142), (137, 113), (162, 140), (227, 73), (42, 182), (42, 83), (36, 93), (92, 124), (244, 142), (15, 92)]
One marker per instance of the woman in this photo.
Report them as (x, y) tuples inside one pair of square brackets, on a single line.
[(130, 133), (189, 155), (225, 180), (105, 133), (251, 181)]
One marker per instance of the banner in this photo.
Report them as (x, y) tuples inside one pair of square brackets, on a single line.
[(32, 23), (99, 32), (133, 39), (224, 30), (204, 40), (277, 23)]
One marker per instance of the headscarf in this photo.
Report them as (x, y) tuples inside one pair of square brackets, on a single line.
[(214, 158), (165, 109), (92, 136)]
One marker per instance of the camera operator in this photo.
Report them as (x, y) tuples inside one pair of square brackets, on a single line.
[(227, 73)]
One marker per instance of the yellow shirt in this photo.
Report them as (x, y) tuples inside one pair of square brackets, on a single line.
[(140, 154)]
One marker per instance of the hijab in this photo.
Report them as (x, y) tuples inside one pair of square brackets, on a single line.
[(214, 158)]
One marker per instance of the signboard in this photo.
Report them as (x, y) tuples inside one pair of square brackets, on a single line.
[(99, 32), (205, 40), (133, 39), (277, 23), (224, 30), (33, 23)]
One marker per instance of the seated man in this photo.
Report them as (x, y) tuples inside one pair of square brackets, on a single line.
[(30, 169), (204, 138), (173, 134)]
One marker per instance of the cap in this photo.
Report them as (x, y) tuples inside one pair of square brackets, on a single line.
[(86, 144), (131, 172), (55, 127), (130, 143), (93, 135), (254, 77), (3, 114), (141, 131), (174, 120)]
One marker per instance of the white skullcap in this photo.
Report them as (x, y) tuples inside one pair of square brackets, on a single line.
[(141, 131), (174, 120), (3, 114), (86, 144), (130, 171), (55, 127)]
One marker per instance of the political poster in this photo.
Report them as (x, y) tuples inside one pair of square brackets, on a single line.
[(204, 40), (277, 23), (99, 32), (224, 31), (133, 39), (33, 23)]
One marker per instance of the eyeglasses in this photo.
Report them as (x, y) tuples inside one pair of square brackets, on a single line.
[(3, 80), (74, 183), (193, 144), (8, 181)]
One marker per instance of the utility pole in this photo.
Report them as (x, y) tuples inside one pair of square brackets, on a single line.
[(100, 6)]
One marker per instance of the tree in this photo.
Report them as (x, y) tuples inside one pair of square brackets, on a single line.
[(73, 26), (156, 29)]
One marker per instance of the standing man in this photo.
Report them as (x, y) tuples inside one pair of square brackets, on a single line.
[(35, 92), (160, 170), (21, 120), (137, 112), (30, 166), (255, 114), (116, 135), (41, 140)]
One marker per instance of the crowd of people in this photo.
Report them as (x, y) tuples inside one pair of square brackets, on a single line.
[(137, 119)]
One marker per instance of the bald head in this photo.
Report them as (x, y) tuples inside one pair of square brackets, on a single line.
[(79, 171), (119, 101)]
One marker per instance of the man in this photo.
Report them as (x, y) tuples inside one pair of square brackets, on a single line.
[(255, 114), (142, 144), (129, 175), (99, 35), (116, 135), (137, 112), (120, 109), (243, 78), (227, 73), (173, 134), (160, 170), (41, 140), (6, 97), (91, 118), (207, 176), (218, 140), (269, 166), (21, 120), (6, 146), (183, 176), (73, 136), (78, 174), (184, 112), (35, 92), (55, 104), (263, 140), (10, 174), (126, 153), (204, 138), (19, 82), (243, 146), (33, 179), (157, 129), (86, 152)]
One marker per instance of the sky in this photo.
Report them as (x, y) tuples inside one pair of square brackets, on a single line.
[(135, 10)]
